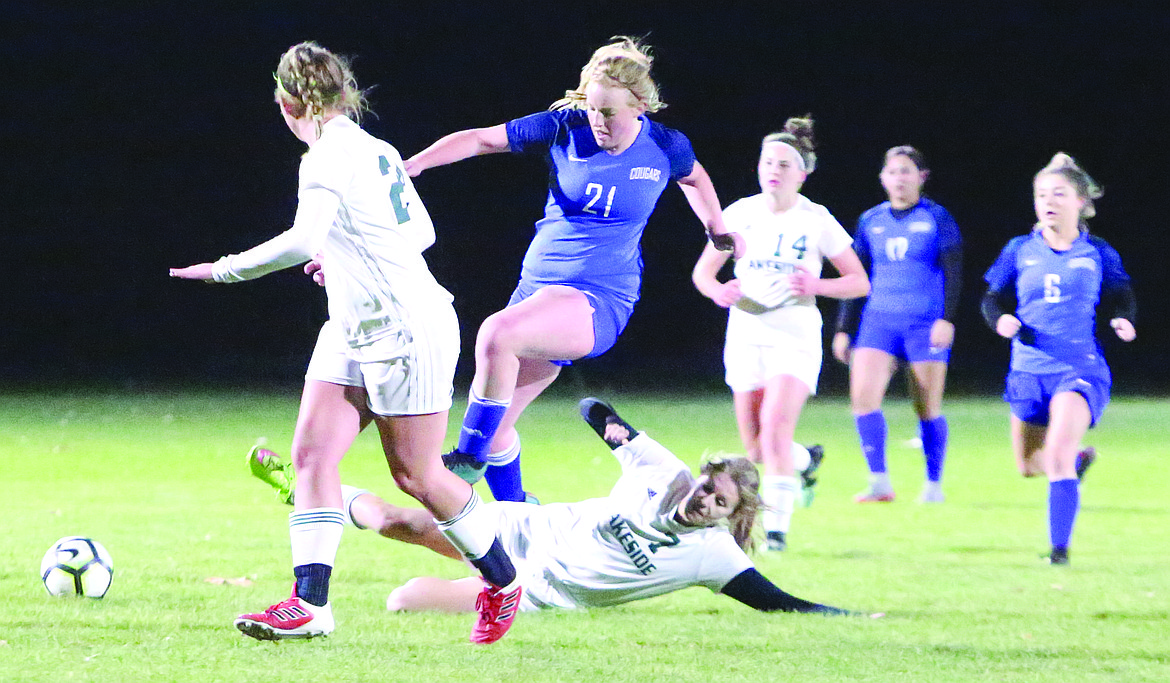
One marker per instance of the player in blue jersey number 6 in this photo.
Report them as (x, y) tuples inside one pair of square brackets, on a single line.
[(1058, 384), (582, 273), (911, 247)]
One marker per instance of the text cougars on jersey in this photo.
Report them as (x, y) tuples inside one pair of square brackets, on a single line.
[(621, 531), (645, 173)]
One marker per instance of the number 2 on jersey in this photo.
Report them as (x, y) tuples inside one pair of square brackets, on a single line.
[(595, 191), (396, 189)]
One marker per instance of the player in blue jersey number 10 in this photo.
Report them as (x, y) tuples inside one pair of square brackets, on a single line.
[(1058, 384), (582, 272), (911, 247)]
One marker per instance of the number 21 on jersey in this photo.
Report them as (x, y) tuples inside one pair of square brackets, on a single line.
[(595, 192)]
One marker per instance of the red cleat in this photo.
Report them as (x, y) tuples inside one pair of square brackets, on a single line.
[(497, 608), (871, 496), (292, 618)]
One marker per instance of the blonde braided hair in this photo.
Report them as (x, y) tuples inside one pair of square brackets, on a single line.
[(313, 81)]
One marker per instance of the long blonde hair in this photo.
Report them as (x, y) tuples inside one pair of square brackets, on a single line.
[(746, 477), (625, 62), (312, 80), (1087, 188)]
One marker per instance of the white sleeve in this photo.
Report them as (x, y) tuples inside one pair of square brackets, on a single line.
[(316, 209), (836, 238), (643, 451), (722, 560)]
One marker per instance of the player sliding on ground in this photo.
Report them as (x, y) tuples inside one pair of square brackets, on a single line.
[(659, 530)]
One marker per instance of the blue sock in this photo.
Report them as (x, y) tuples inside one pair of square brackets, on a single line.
[(313, 583), (934, 445), (480, 423), (871, 427), (504, 481), (495, 566), (1064, 499)]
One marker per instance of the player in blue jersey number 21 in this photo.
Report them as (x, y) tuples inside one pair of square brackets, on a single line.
[(1058, 384), (582, 272)]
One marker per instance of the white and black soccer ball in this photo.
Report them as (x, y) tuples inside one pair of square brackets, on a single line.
[(79, 566)]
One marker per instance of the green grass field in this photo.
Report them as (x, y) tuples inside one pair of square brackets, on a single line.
[(159, 478)]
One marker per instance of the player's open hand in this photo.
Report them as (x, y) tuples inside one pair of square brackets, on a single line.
[(1124, 329), (1007, 326), (728, 241), (199, 271)]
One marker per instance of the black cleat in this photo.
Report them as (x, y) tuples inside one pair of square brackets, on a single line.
[(464, 466), (776, 541), (599, 415), (816, 455), (1057, 556), (808, 478), (1084, 459)]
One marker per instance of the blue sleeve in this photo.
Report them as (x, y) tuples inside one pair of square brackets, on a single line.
[(861, 242), (948, 231), (1113, 275), (677, 149), (1002, 273), (536, 132)]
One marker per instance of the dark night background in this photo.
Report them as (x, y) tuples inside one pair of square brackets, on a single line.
[(140, 137)]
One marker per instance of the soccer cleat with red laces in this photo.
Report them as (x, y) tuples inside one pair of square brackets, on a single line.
[(497, 608), (293, 618)]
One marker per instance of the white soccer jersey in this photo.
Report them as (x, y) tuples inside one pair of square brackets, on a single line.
[(359, 209), (624, 547), (776, 245)]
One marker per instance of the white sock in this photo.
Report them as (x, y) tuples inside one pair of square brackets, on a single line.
[(315, 535), (800, 457), (505, 456), (778, 493), (879, 483), (348, 495), (472, 530)]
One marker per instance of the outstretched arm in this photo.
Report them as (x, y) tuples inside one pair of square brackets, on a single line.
[(752, 589), (316, 210), (459, 146)]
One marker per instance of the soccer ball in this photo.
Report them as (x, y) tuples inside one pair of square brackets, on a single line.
[(76, 565)]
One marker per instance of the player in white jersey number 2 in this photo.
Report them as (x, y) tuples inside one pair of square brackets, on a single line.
[(386, 355)]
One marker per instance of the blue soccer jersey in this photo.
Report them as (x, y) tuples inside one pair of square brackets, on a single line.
[(903, 248), (1057, 294), (598, 203)]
